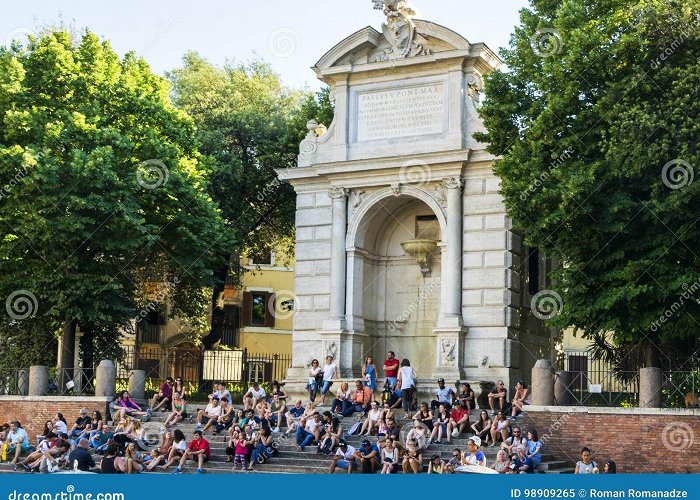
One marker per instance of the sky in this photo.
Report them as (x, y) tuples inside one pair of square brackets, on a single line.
[(291, 35)]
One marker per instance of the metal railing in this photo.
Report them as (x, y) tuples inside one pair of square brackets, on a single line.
[(10, 383), (680, 389)]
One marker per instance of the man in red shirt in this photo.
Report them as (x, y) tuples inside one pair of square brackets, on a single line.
[(361, 399), (199, 450), (459, 419), (163, 398), (391, 367)]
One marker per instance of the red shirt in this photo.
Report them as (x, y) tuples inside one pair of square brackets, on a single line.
[(458, 415), (203, 444), (392, 372), (167, 390)]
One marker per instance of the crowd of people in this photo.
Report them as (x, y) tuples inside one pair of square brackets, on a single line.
[(248, 431)]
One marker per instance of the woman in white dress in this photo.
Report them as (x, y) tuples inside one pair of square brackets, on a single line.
[(372, 421), (407, 380)]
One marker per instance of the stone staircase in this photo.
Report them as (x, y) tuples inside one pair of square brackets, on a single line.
[(292, 461)]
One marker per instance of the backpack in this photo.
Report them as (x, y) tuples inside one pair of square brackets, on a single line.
[(387, 397), (355, 429)]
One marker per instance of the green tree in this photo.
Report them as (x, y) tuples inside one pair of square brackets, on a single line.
[(596, 121), (249, 124), (103, 192)]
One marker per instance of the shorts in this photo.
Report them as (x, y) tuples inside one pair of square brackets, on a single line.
[(205, 419), (344, 464)]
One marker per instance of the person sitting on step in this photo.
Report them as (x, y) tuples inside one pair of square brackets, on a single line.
[(444, 396), (209, 416), (198, 450), (498, 394), (254, 395), (459, 421), (162, 399)]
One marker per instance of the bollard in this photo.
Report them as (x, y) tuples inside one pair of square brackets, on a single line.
[(542, 383), (137, 384), (650, 381), (563, 387), (106, 383), (38, 380)]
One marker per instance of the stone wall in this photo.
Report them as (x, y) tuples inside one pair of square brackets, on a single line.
[(637, 439), (33, 411)]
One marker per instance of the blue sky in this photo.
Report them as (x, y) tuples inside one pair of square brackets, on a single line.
[(289, 34)]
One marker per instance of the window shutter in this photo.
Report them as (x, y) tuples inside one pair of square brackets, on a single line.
[(270, 310), (247, 308)]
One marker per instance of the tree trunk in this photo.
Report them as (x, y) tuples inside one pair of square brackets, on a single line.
[(66, 358), (217, 312)]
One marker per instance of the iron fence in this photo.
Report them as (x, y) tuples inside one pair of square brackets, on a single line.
[(680, 389), (12, 381), (200, 369)]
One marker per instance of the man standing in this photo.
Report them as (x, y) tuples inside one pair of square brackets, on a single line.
[(391, 368), (163, 398), (344, 458), (444, 396), (329, 370), (499, 393), (81, 455)]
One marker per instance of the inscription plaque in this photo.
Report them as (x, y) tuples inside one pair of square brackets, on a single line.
[(402, 112)]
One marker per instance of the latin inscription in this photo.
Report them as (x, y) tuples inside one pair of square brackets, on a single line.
[(400, 113)]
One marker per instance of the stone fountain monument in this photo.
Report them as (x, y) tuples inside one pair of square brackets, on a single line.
[(402, 239)]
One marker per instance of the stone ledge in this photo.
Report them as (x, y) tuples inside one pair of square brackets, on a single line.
[(56, 399), (593, 410)]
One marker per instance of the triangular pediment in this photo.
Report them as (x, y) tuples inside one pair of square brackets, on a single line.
[(423, 40)]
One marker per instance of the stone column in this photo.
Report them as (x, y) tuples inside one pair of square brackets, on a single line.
[(137, 384), (563, 384), (336, 320), (650, 381), (542, 383), (38, 380), (106, 379), (451, 276)]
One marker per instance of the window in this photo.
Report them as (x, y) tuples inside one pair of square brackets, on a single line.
[(258, 309), (262, 257), (427, 227), (533, 271)]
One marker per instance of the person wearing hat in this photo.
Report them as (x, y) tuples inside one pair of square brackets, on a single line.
[(473, 456), (367, 456), (436, 465), (209, 415), (459, 421), (344, 458), (82, 422), (444, 396)]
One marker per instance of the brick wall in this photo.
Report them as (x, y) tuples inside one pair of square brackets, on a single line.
[(33, 411), (637, 439)]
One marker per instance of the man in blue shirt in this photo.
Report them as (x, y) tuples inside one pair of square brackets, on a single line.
[(367, 456), (444, 396), (523, 463), (17, 441)]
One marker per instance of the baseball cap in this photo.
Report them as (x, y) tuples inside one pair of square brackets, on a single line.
[(476, 440), (365, 442), (441, 380), (342, 444), (215, 397)]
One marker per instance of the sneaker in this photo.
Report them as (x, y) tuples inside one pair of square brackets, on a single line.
[(198, 470), (276, 429), (177, 470), (250, 467), (511, 418), (25, 467), (435, 441), (198, 428), (493, 413)]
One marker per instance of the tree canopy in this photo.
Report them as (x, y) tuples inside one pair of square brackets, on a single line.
[(103, 191), (596, 122), (249, 125)]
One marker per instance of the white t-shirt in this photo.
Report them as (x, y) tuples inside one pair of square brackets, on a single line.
[(213, 410), (328, 371), (60, 427), (181, 446), (349, 452), (407, 377), (260, 393)]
